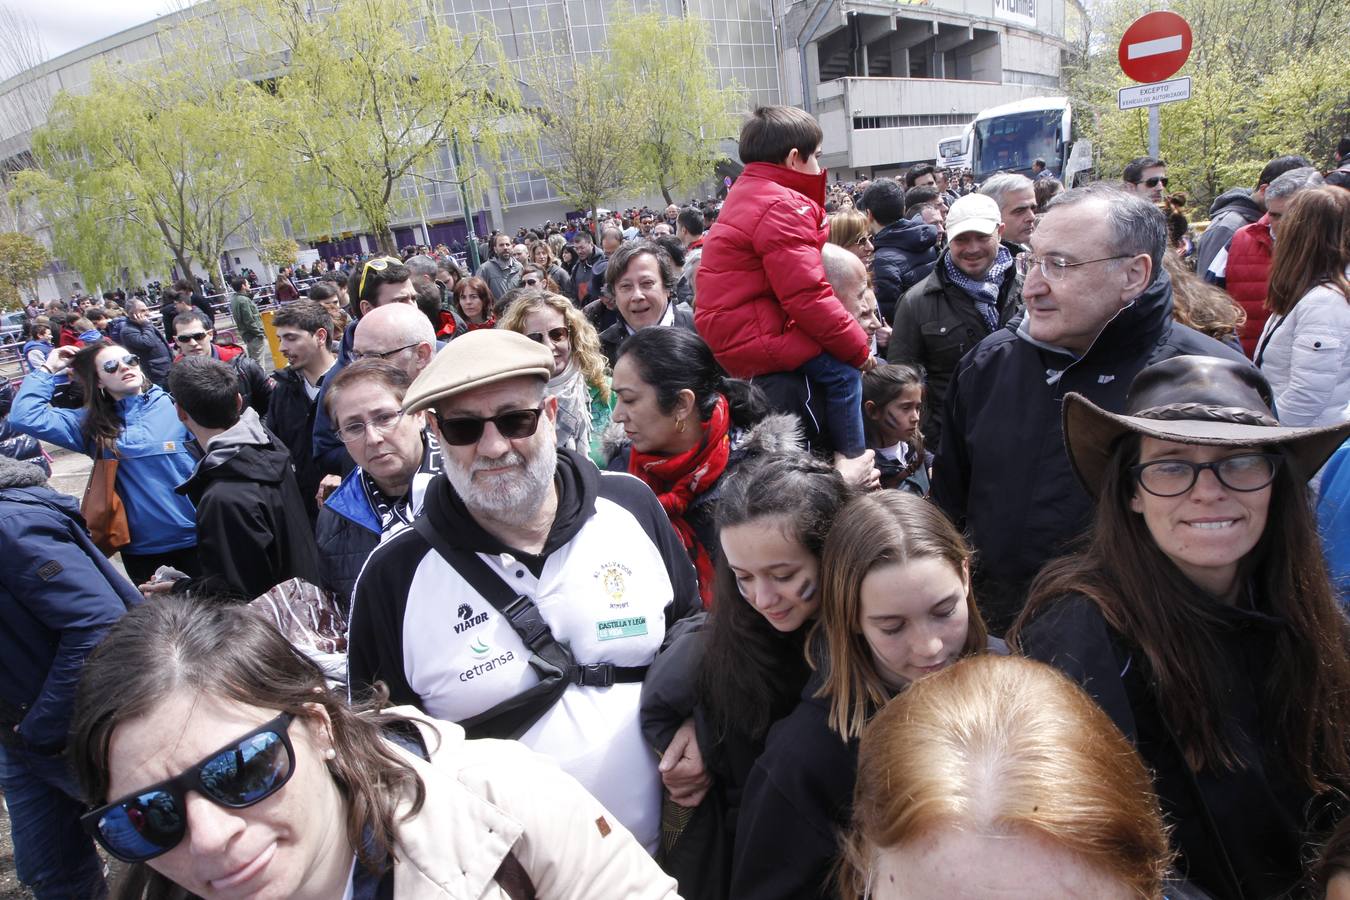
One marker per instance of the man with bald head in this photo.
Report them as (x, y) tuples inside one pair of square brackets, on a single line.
[(398, 334)]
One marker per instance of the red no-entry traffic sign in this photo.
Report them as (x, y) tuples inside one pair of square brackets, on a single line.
[(1155, 46)]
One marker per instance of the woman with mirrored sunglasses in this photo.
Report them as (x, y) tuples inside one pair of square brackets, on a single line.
[(581, 379), (127, 418), (1200, 617), (223, 765)]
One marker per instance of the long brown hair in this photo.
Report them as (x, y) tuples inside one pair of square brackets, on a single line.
[(1313, 247), (102, 423), (879, 529), (231, 651), (1204, 307), (999, 744), (1145, 597)]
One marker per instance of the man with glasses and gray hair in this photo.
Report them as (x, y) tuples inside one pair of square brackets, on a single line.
[(529, 598), (1098, 310)]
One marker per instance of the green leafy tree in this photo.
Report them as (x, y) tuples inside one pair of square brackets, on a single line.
[(368, 93), (594, 152), (279, 251), (22, 259), (681, 115)]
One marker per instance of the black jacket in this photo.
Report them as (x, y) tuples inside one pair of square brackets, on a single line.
[(252, 531), (1230, 211), (616, 334), (904, 252), (146, 342), (1001, 470), (937, 323), (1239, 834), (167, 313), (797, 798), (290, 416)]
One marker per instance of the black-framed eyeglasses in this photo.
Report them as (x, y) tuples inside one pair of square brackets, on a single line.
[(555, 335), (461, 431), (378, 264), (1053, 268), (383, 423), (191, 338), (1173, 477), (131, 361), (373, 354), (152, 821)]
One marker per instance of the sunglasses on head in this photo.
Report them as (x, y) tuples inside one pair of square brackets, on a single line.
[(131, 361), (153, 820), (461, 431), (556, 335), (379, 264), (190, 338)]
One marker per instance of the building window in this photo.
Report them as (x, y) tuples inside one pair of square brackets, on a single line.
[(864, 123)]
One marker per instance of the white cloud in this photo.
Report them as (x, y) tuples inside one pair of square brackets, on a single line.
[(66, 25)]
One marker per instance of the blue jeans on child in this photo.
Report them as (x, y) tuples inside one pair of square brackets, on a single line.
[(53, 856), (842, 386)]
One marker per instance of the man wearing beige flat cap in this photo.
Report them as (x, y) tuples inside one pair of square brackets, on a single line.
[(533, 592)]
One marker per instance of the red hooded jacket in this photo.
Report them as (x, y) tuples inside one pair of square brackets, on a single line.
[(1247, 277), (763, 302)]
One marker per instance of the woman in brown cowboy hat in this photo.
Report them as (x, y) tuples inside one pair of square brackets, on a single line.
[(1200, 617)]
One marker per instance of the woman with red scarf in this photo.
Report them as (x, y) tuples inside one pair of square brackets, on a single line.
[(680, 424)]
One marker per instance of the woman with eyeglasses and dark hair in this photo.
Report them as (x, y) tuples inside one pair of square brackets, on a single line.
[(685, 426), (128, 419), (1200, 617), (473, 302), (581, 380), (223, 765)]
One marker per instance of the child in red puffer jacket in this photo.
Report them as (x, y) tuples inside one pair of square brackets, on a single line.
[(764, 304)]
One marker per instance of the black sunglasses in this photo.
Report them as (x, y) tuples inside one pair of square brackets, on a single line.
[(190, 338), (131, 361), (1155, 181), (556, 335), (461, 431), (153, 820)]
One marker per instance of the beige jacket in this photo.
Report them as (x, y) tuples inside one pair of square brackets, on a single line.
[(484, 798)]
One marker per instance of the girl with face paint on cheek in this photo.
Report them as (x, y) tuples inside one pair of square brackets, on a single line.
[(747, 666), (893, 408)]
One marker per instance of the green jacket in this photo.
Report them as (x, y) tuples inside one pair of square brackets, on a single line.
[(246, 317)]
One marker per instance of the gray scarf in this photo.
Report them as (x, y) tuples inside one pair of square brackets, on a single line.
[(574, 408)]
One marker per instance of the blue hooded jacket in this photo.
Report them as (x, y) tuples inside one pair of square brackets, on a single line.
[(152, 452), (904, 252), (58, 597)]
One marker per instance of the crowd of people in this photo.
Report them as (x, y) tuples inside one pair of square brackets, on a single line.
[(900, 539)]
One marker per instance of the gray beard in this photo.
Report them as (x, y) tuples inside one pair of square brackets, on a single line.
[(513, 499)]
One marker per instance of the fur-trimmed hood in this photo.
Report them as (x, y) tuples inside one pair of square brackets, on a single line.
[(775, 433)]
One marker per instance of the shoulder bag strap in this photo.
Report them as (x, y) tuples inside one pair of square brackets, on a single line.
[(1261, 350), (524, 616)]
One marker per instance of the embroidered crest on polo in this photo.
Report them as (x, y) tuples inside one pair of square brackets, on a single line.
[(613, 578)]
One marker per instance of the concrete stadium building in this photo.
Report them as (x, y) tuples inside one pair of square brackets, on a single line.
[(886, 79)]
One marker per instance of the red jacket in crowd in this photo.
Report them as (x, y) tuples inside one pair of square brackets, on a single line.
[(763, 302), (1248, 276)]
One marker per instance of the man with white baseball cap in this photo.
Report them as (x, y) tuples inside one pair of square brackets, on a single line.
[(972, 291), (533, 592)]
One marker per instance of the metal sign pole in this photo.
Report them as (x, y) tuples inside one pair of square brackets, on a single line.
[(1153, 128)]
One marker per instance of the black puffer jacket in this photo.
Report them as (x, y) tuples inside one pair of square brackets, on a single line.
[(904, 252), (1001, 471), (145, 341), (290, 416), (936, 324)]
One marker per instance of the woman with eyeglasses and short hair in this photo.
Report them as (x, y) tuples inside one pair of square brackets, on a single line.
[(1200, 617), (396, 457), (223, 765), (849, 229), (581, 380), (128, 419), (473, 302)]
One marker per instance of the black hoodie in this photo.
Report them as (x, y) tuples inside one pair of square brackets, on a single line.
[(252, 529)]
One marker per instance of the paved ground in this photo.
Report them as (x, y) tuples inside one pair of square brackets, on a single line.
[(70, 471)]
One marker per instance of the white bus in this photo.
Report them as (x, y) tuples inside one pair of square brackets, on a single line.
[(954, 152), (1009, 138)]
